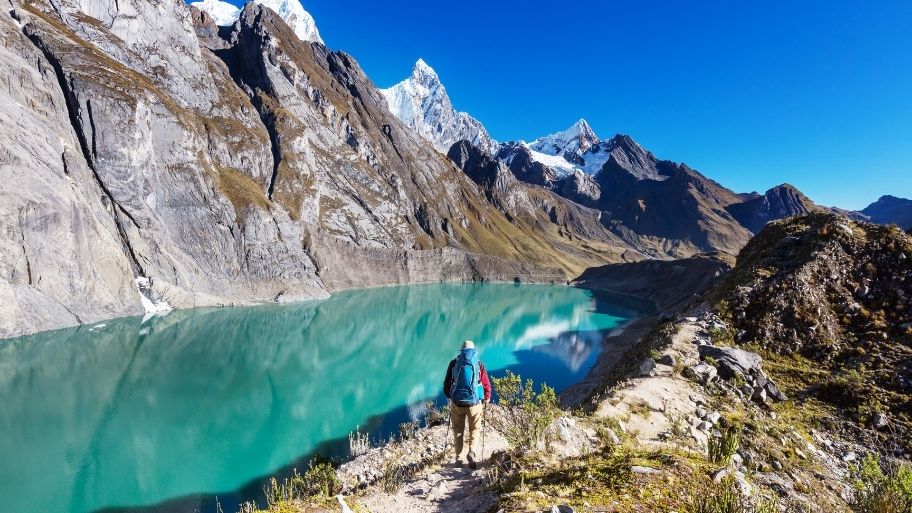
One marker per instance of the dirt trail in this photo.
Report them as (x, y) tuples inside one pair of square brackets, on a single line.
[(440, 487), (646, 407)]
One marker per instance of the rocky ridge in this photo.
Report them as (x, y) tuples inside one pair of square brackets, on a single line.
[(890, 210), (777, 203), (836, 293)]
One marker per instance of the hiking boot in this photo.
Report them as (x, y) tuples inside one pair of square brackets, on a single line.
[(471, 458)]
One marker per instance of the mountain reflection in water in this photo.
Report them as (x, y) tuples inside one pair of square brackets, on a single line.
[(206, 401)]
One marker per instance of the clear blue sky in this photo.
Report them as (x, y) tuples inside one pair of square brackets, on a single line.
[(752, 94)]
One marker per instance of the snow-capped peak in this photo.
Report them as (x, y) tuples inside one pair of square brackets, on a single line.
[(422, 103), (421, 68), (579, 137), (296, 17), (300, 21), (222, 13)]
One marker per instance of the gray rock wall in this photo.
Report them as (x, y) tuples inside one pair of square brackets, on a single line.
[(61, 258)]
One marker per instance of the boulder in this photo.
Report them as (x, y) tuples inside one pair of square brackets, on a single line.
[(879, 421), (647, 368), (702, 373), (719, 475), (732, 361), (668, 359)]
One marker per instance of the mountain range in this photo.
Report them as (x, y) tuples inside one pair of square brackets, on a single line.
[(577, 164), (191, 155)]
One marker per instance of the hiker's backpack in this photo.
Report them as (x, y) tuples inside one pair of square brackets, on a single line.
[(466, 388)]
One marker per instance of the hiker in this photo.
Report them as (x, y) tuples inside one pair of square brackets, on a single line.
[(468, 388)]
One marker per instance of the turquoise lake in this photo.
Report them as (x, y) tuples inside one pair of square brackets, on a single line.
[(168, 414)]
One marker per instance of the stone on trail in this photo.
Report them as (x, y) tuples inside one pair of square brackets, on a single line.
[(732, 361), (879, 421), (668, 359), (702, 373), (647, 368), (719, 475)]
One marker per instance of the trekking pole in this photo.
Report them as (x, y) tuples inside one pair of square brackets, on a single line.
[(446, 436), (484, 426)]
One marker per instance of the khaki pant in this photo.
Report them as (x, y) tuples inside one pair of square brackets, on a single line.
[(458, 415)]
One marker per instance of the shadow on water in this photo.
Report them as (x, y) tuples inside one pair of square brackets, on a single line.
[(575, 349), (207, 400)]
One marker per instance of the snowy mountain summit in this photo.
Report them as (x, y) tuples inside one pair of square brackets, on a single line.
[(291, 11), (576, 139), (579, 150), (222, 13), (422, 103)]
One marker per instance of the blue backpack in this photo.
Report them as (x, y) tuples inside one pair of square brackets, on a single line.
[(466, 388)]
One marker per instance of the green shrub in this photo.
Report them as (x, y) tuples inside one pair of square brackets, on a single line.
[(527, 415), (882, 487), (320, 480), (435, 416), (407, 430), (722, 448), (723, 498), (727, 498)]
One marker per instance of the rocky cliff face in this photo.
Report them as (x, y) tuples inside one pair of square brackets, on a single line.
[(214, 166)]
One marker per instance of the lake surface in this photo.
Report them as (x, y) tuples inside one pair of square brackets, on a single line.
[(166, 415)]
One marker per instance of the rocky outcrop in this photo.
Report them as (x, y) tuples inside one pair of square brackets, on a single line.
[(835, 292), (735, 363)]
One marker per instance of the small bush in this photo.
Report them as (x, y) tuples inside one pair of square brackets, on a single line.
[(721, 337), (407, 430), (435, 416), (727, 498), (526, 414), (846, 388), (722, 448), (358, 443), (882, 487), (724, 498), (320, 480)]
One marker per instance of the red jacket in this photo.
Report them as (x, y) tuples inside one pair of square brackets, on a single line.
[(485, 382)]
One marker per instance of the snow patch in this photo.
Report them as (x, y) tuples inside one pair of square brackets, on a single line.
[(151, 301), (222, 13)]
